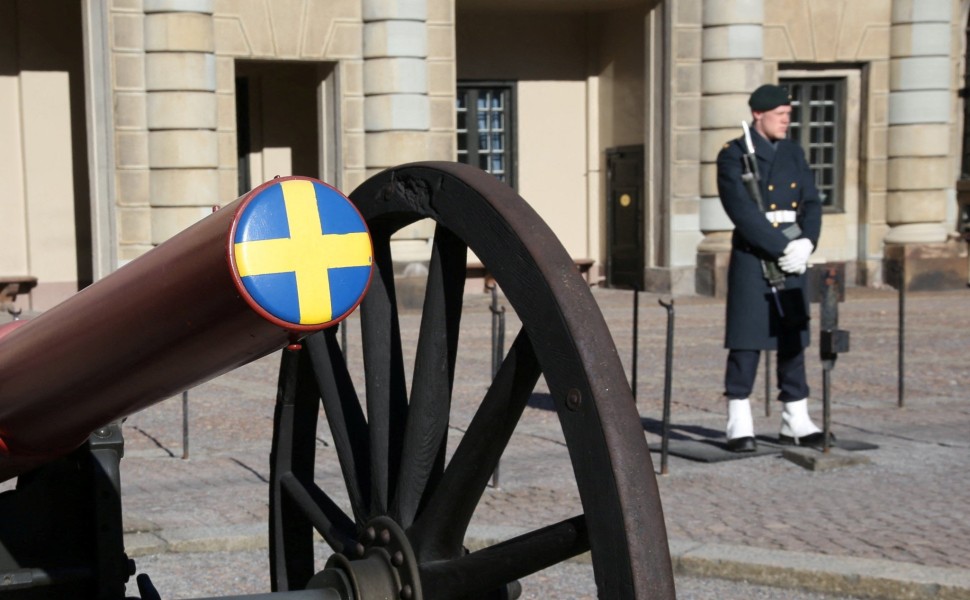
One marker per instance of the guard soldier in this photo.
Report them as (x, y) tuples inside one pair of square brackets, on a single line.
[(777, 219)]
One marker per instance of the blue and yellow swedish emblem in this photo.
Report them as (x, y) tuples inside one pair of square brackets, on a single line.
[(302, 252)]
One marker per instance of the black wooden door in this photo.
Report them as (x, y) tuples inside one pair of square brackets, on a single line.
[(624, 218)]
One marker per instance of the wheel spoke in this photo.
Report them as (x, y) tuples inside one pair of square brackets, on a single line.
[(440, 529), (499, 565), (384, 375), (426, 433), (345, 416), (336, 528)]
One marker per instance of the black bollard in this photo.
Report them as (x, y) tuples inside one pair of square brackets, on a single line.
[(832, 340), (668, 372), (498, 349)]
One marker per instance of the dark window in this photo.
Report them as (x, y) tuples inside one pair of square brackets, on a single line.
[(818, 125), (485, 128)]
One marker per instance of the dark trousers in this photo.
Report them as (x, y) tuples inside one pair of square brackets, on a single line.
[(742, 368)]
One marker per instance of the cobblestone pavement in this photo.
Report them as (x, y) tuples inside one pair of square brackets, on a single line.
[(910, 504)]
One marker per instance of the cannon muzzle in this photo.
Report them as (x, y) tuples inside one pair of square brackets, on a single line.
[(291, 257)]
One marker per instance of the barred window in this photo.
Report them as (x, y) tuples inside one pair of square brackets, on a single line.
[(818, 125), (485, 128)]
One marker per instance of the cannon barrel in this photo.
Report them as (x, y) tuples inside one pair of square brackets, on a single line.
[(291, 257)]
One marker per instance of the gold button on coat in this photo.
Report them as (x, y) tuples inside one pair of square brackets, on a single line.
[(794, 185), (771, 186)]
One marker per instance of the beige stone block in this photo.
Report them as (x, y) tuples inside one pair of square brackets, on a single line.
[(230, 38), (878, 143), (352, 77), (685, 207), (352, 114), (921, 11), (396, 111), (225, 75), (713, 141), (733, 12), (879, 109), (876, 174), (687, 78), (228, 185), (227, 149), (920, 39), (686, 145), (686, 112), (395, 39), (352, 178), (685, 179), (708, 180), (731, 76), (129, 252), (180, 71), (876, 207), (131, 149), (441, 41), (192, 149), (732, 42), (931, 139), (129, 71), (935, 173), (916, 206), (873, 44), (134, 225), (688, 44), (182, 110), (132, 187), (353, 151), (920, 73), (202, 6), (382, 10), (724, 111), (879, 76), (128, 32), (441, 78), (345, 42), (688, 12), (226, 112), (443, 113), (123, 5), (441, 146), (441, 11), (185, 187), (168, 221), (389, 148), (778, 44), (179, 32), (129, 111), (395, 75)]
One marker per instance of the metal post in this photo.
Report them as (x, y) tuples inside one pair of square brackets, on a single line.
[(498, 350), (636, 326), (832, 341), (185, 424), (668, 372), (901, 352), (767, 383)]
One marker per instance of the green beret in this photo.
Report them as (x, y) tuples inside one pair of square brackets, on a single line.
[(768, 97)]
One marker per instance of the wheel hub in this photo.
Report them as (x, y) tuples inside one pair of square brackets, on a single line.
[(383, 565)]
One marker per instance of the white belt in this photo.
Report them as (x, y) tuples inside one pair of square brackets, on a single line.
[(781, 216)]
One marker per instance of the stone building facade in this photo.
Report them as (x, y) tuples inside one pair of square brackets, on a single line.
[(124, 121)]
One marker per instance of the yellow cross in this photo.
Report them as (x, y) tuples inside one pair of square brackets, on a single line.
[(307, 252)]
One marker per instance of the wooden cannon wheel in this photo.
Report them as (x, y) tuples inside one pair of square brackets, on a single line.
[(410, 510)]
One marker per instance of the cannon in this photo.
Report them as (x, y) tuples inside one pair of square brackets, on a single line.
[(410, 500)]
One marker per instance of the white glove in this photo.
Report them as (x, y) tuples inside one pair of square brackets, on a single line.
[(795, 259)]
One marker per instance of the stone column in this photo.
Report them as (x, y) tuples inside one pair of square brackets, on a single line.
[(920, 174), (732, 53), (397, 113), (180, 81)]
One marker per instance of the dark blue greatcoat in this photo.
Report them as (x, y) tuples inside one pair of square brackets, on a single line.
[(787, 183)]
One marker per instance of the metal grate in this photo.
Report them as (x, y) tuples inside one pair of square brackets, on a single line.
[(817, 124), (485, 129)]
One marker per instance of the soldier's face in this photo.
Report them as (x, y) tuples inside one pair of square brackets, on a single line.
[(773, 124)]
